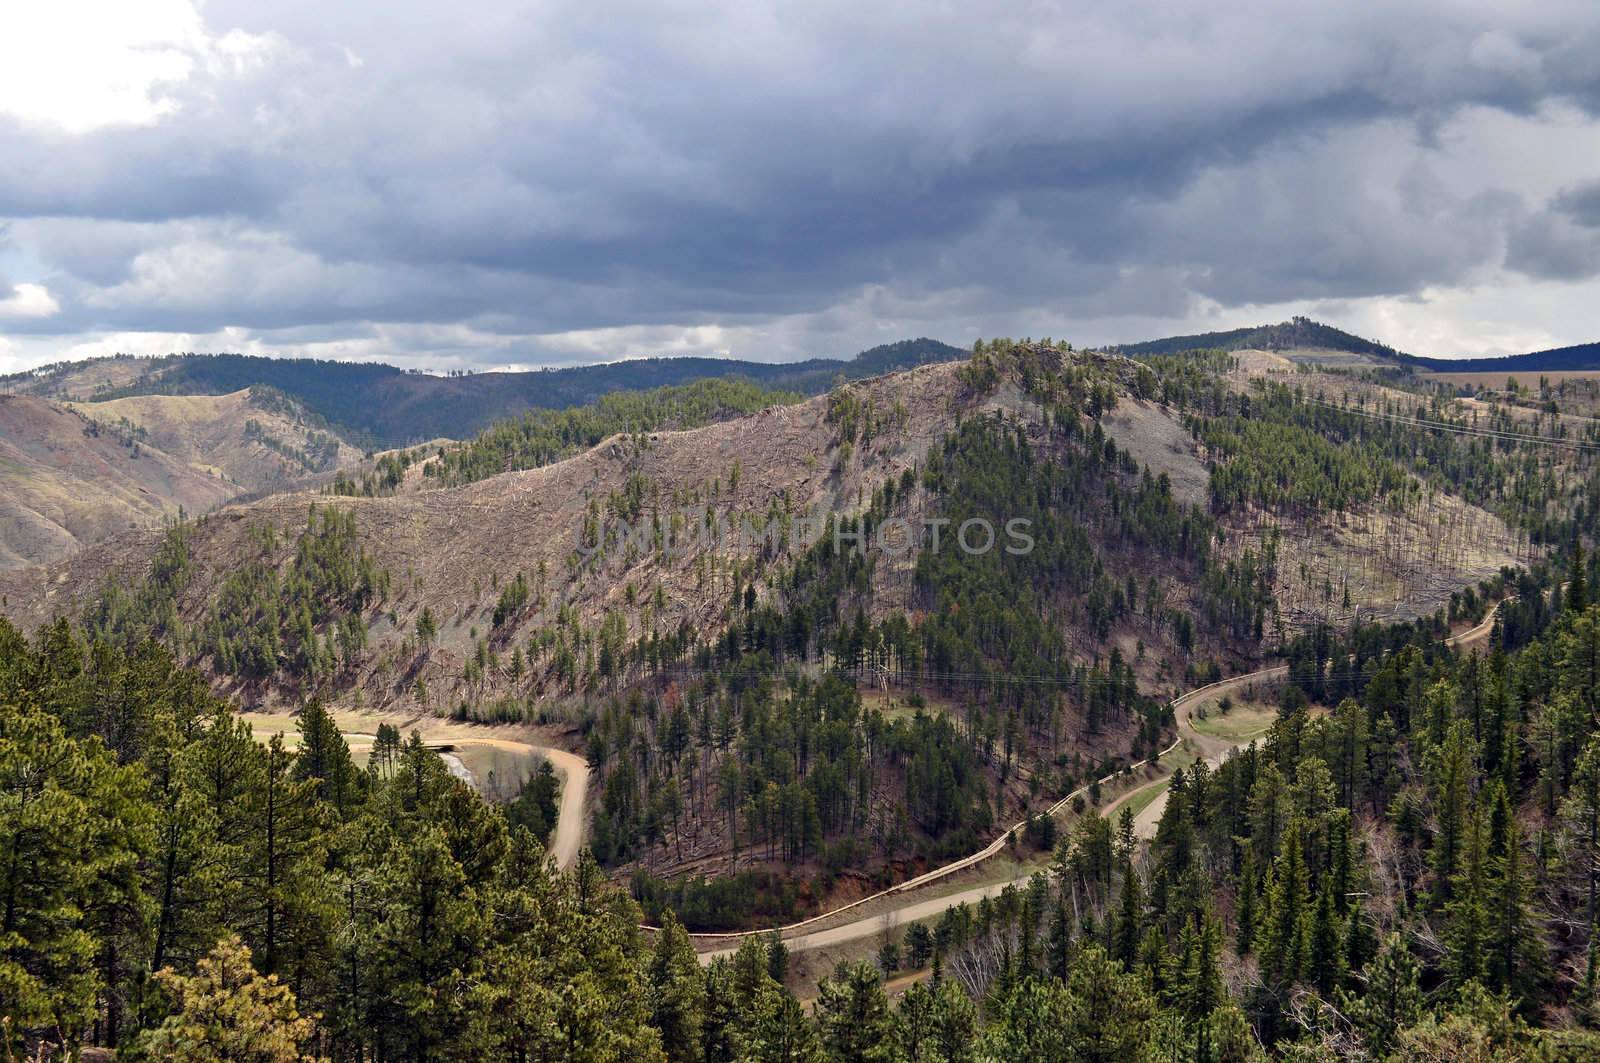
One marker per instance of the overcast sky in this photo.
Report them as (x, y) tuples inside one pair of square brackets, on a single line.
[(443, 184)]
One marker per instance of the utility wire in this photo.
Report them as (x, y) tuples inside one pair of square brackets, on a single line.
[(1581, 445)]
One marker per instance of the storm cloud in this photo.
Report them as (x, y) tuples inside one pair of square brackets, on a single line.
[(502, 184)]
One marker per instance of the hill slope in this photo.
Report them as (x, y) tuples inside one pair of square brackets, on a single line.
[(66, 481), (77, 472), (256, 438)]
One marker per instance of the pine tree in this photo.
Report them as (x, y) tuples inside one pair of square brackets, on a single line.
[(1577, 593), (1199, 989), (190, 867), (1127, 844), (283, 880), (1283, 937), (1349, 758), (1359, 942), (1156, 965), (1515, 952), (721, 1033), (750, 975), (1391, 1001), (853, 1016), (780, 1032), (325, 757), (1129, 927), (1227, 1037), (919, 945), (1467, 913), (778, 955), (1326, 966), (1270, 809), (1245, 901), (677, 999), (1579, 647), (1581, 814), (1450, 772), (1058, 947), (1029, 1020), (73, 825), (1106, 1014), (938, 1022), (226, 1011)]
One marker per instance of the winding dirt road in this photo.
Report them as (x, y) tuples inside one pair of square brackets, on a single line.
[(574, 791), (1212, 748)]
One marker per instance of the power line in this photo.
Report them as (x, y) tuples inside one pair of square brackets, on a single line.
[(930, 678), (1579, 445)]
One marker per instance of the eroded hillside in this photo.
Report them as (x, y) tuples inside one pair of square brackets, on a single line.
[(454, 550)]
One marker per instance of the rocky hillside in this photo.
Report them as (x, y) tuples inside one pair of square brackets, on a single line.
[(255, 438)]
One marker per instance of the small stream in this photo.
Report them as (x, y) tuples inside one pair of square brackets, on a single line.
[(458, 769)]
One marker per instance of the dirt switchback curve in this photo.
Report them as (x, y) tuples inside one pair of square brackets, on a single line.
[(798, 938), (574, 791)]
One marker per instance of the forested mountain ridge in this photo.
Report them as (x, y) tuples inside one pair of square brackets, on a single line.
[(292, 421), (387, 407), (1299, 333), (488, 600), (1580, 357), (1307, 338)]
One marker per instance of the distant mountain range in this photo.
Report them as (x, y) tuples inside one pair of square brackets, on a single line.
[(1302, 333), (1578, 358), (383, 406), (389, 407)]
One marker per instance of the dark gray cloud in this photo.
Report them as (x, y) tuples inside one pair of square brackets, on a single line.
[(1580, 203), (494, 183)]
